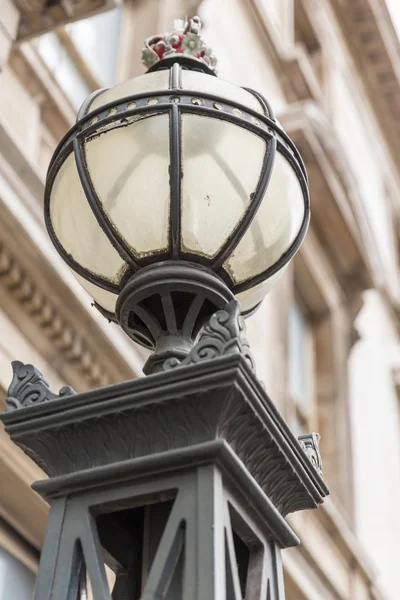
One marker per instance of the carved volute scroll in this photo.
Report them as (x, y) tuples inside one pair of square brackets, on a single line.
[(29, 387), (310, 445), (225, 334)]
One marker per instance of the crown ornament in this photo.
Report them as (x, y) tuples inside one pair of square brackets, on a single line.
[(183, 41)]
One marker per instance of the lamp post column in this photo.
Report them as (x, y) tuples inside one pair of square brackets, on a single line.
[(178, 483)]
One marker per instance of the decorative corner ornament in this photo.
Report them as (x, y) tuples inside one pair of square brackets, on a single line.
[(310, 444), (224, 334), (29, 387), (184, 40)]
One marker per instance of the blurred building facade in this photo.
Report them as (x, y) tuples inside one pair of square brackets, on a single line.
[(326, 340)]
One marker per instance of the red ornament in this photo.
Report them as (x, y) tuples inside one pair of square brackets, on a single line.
[(177, 43)]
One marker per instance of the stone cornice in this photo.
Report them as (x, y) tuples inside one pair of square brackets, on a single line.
[(39, 16), (21, 288), (82, 360), (375, 48)]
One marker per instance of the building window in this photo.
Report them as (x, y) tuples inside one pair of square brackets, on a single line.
[(320, 327), (83, 56), (97, 40), (60, 63), (301, 368), (16, 581)]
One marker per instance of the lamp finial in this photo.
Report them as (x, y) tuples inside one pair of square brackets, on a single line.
[(184, 40)]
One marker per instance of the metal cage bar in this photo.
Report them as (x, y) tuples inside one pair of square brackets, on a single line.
[(177, 102)]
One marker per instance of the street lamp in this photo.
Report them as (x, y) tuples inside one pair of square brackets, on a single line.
[(182, 190), (177, 199)]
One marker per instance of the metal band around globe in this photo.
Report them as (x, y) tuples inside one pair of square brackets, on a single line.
[(226, 250), (97, 207), (102, 113)]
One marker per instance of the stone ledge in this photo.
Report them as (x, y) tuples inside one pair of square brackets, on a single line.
[(40, 16)]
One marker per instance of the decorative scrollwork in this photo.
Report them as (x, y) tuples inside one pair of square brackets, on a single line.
[(29, 387), (310, 445), (224, 334)]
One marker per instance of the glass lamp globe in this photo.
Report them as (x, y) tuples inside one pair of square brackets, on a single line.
[(176, 177)]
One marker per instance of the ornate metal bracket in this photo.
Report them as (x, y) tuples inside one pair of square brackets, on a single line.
[(224, 334), (29, 387), (310, 445)]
